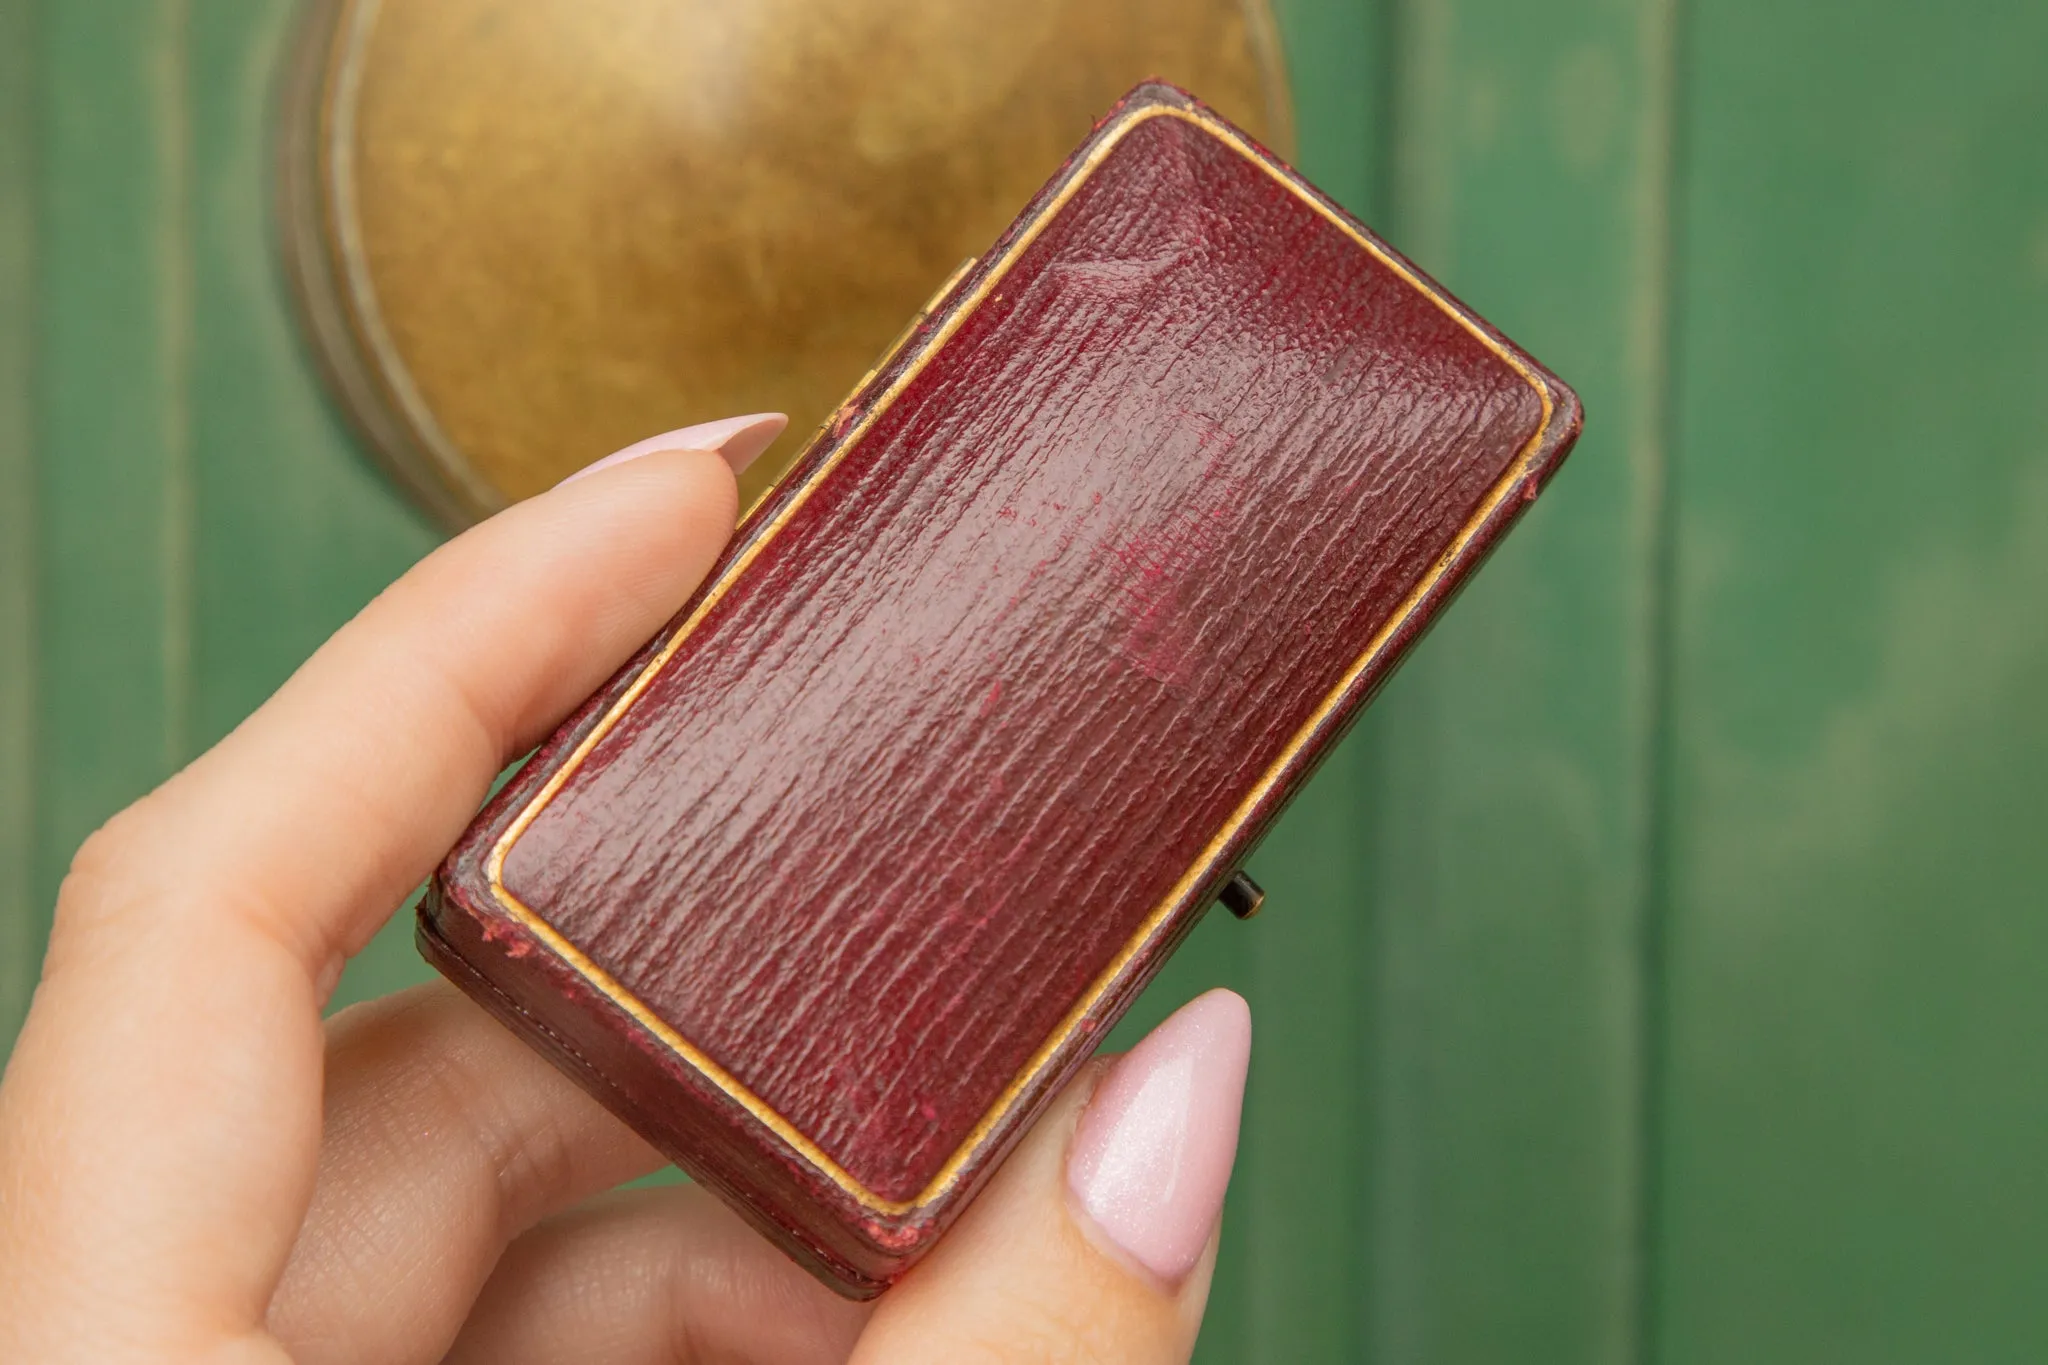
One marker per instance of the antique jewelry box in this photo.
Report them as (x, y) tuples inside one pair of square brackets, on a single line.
[(832, 886)]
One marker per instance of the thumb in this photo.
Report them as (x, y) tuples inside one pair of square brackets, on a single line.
[(1097, 1238)]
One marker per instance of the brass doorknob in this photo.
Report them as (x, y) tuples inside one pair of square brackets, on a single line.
[(527, 232)]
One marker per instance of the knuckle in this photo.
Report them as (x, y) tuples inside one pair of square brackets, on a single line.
[(104, 851), (105, 871), (534, 1170), (522, 1161)]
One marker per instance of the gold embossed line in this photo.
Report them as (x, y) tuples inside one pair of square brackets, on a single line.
[(1204, 867)]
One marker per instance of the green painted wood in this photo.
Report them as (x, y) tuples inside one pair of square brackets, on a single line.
[(111, 427), (1854, 1110), (19, 943), (1533, 177)]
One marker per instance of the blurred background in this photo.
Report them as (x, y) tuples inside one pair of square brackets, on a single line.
[(1659, 973)]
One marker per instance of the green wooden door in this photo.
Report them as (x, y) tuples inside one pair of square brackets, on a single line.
[(1657, 974)]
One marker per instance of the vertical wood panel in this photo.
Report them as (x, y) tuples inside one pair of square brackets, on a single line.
[(1301, 1206), (111, 433), (1532, 175), (20, 941), (171, 143), (1856, 1112)]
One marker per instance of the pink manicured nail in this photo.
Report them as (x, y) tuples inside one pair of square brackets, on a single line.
[(738, 439), (1152, 1155)]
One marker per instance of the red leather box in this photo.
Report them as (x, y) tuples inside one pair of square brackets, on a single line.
[(830, 889)]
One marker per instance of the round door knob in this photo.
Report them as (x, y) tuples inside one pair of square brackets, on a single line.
[(528, 232)]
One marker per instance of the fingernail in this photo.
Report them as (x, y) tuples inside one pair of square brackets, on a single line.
[(738, 439), (1151, 1157)]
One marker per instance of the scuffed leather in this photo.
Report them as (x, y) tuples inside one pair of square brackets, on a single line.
[(969, 717)]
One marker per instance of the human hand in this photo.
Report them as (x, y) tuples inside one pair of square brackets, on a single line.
[(194, 1168)]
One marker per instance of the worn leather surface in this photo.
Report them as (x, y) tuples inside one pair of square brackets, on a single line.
[(1056, 619)]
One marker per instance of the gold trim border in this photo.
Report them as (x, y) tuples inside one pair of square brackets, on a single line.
[(1203, 867)]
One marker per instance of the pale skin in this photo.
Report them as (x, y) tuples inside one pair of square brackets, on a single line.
[(195, 1168)]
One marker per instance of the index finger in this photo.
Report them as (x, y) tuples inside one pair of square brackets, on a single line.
[(334, 799), (160, 1117)]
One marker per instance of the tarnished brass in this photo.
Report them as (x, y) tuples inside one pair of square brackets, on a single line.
[(528, 232)]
